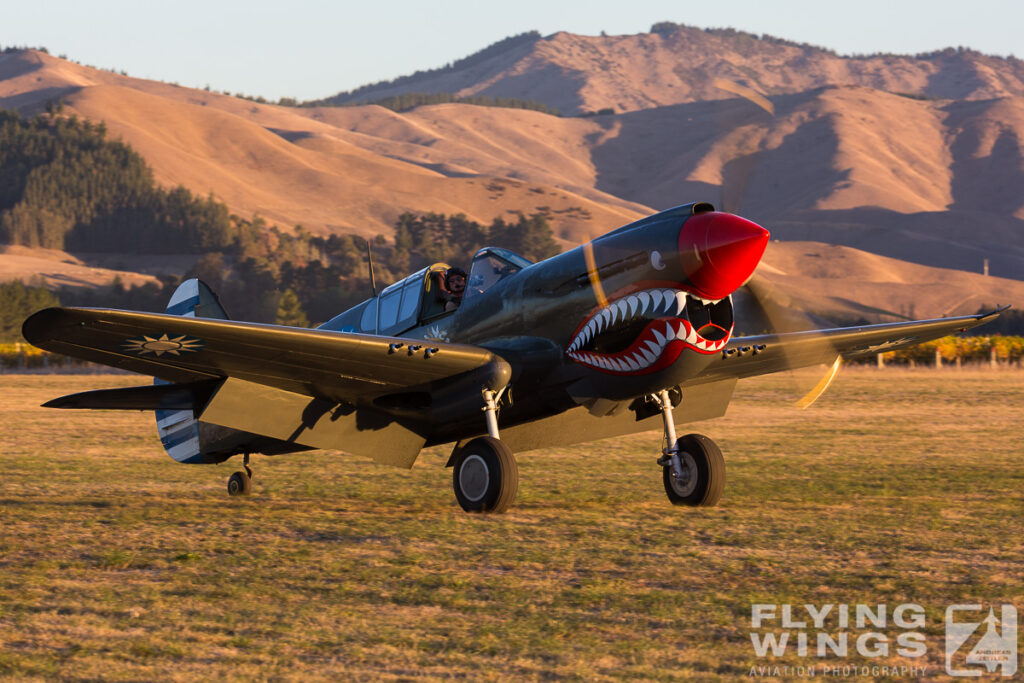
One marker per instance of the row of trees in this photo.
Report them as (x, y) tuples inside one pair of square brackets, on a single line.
[(428, 238), (327, 274), (63, 185), (970, 349), (407, 101), (365, 92), (266, 275), (17, 302)]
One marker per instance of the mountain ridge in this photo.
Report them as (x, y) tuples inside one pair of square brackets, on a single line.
[(677, 63), (927, 180)]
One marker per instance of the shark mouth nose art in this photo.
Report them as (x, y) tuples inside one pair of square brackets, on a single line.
[(646, 329)]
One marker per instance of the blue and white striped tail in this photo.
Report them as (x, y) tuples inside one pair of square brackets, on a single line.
[(179, 429)]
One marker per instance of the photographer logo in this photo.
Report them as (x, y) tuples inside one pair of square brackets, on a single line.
[(977, 643)]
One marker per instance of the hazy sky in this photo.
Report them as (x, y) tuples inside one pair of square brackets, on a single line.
[(315, 48)]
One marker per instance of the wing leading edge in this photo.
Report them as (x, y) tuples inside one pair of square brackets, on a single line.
[(332, 365), (310, 388), (765, 354)]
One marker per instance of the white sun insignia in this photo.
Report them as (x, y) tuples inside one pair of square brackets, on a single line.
[(437, 333), (163, 344), (876, 348)]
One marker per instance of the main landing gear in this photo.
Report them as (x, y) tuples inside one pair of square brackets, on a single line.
[(693, 468), (484, 471), (240, 483)]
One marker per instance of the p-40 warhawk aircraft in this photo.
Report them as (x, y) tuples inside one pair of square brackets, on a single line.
[(630, 332)]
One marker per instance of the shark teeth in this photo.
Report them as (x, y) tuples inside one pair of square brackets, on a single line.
[(620, 308), (650, 347), (680, 303), (657, 298), (690, 335)]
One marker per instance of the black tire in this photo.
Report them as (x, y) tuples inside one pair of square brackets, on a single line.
[(702, 458), (239, 484), (485, 476)]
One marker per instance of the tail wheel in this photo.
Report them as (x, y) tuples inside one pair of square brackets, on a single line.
[(239, 484), (703, 469), (485, 476)]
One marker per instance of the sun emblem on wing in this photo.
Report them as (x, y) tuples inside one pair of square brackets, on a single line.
[(437, 333), (163, 344), (877, 348)]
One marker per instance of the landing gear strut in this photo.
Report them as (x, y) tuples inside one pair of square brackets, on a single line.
[(693, 469), (485, 475), (240, 483)]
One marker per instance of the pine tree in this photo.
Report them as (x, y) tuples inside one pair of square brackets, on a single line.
[(289, 310), (17, 302), (536, 239)]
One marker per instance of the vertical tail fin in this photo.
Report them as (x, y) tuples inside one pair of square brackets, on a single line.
[(194, 299), (179, 429)]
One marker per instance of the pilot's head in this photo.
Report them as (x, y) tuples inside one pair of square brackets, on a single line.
[(455, 280)]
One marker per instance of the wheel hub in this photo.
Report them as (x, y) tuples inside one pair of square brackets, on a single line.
[(474, 477), (684, 485)]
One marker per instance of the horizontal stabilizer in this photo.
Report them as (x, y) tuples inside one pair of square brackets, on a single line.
[(156, 397)]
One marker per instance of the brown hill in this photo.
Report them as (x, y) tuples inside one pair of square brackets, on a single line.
[(930, 181), (677, 64), (59, 269), (351, 170), (936, 182), (841, 283)]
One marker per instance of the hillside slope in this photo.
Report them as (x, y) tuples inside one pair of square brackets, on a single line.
[(933, 181), (352, 170), (676, 64)]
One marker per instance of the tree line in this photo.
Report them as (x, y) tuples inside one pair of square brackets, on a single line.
[(316, 277), (494, 49), (408, 101), (64, 185), (268, 275)]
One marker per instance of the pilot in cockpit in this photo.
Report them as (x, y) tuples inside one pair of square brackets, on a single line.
[(452, 288)]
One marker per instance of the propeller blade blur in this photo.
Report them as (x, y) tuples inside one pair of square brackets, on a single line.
[(822, 385), (595, 279), (782, 315)]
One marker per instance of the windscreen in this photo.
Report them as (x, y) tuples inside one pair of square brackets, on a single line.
[(490, 266)]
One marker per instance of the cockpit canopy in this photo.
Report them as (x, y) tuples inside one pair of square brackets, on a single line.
[(415, 300), (490, 266)]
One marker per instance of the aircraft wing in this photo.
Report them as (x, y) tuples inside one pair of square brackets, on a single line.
[(765, 354), (338, 366)]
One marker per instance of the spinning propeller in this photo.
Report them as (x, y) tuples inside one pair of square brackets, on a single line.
[(719, 252), (776, 312)]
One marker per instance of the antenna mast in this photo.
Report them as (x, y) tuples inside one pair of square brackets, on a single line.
[(369, 257)]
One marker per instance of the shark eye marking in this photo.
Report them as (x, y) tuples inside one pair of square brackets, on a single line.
[(656, 261)]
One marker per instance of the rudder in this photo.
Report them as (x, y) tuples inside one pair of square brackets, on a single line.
[(178, 429)]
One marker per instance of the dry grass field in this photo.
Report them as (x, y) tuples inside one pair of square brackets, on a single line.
[(117, 563)]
